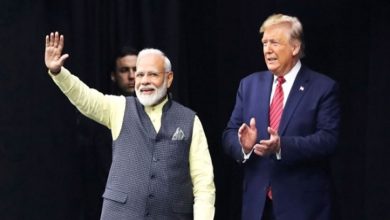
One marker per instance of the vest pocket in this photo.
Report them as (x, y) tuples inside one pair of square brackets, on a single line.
[(116, 196)]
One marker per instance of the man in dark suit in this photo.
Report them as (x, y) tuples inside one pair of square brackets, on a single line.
[(284, 128)]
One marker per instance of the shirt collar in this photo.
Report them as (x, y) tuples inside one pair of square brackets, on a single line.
[(158, 107), (292, 74)]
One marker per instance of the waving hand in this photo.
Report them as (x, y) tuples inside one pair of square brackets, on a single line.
[(54, 59)]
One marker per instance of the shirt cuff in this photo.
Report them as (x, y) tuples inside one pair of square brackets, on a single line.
[(279, 154), (62, 75), (246, 156)]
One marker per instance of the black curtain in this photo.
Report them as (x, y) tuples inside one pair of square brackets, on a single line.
[(212, 45)]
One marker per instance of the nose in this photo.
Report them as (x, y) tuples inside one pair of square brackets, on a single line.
[(145, 80), (267, 48), (131, 72)]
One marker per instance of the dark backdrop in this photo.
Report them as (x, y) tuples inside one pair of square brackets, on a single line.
[(212, 45)]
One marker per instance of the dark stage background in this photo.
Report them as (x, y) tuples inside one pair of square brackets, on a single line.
[(45, 173)]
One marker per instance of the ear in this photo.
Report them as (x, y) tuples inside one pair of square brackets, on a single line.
[(169, 78), (296, 46), (113, 76)]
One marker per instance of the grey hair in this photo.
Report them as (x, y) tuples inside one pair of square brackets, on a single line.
[(296, 31), (147, 51)]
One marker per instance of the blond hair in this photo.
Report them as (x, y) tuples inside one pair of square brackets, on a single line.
[(296, 29)]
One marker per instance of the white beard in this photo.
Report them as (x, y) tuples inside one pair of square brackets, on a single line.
[(153, 99)]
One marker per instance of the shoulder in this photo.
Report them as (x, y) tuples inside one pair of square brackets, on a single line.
[(181, 114), (317, 77), (179, 107), (262, 75), (256, 80)]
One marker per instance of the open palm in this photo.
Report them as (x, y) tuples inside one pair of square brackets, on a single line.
[(247, 135), (54, 59)]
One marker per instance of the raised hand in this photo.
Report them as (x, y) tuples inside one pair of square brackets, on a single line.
[(54, 59), (247, 135)]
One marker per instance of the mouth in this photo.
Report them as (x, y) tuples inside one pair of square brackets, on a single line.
[(147, 91), (271, 59)]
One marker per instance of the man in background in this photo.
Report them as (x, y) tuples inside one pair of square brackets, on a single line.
[(95, 140), (123, 71)]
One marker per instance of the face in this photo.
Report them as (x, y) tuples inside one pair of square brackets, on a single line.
[(151, 80), (124, 75), (280, 53)]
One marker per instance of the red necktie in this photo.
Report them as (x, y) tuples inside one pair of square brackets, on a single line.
[(275, 112), (276, 107)]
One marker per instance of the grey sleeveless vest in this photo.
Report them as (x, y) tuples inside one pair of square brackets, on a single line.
[(149, 176)]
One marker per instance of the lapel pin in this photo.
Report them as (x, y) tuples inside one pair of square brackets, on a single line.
[(301, 88)]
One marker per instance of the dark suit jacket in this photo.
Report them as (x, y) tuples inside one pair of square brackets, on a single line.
[(309, 128)]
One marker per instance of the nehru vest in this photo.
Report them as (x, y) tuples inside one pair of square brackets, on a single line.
[(149, 176)]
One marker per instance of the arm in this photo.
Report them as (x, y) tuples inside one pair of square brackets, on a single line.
[(202, 176), (107, 110), (238, 137)]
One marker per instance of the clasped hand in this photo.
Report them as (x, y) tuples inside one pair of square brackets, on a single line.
[(247, 136)]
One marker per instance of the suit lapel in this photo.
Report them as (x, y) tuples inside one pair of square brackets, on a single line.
[(298, 90), (262, 108)]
